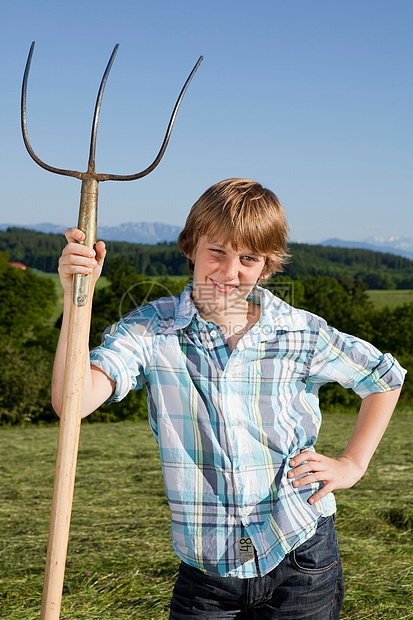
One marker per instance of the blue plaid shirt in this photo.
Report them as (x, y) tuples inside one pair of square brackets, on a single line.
[(227, 424)]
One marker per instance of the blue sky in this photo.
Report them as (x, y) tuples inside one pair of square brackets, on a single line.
[(312, 99)]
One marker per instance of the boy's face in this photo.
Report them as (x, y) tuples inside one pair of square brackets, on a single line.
[(223, 277)]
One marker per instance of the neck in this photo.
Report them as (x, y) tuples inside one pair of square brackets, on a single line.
[(234, 321)]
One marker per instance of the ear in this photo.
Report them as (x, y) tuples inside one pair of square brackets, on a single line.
[(265, 273), (191, 255)]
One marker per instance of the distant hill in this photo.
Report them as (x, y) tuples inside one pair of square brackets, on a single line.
[(132, 232), (401, 246)]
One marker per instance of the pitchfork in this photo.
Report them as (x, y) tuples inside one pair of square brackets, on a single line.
[(77, 343)]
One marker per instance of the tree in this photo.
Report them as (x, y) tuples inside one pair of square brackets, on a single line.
[(393, 329), (26, 300), (28, 344), (25, 385), (343, 303)]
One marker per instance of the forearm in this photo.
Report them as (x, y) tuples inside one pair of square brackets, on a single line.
[(374, 415), (59, 366)]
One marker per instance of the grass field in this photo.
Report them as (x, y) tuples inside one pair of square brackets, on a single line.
[(120, 562), (391, 299)]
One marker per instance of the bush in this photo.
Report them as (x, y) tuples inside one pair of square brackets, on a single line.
[(25, 386)]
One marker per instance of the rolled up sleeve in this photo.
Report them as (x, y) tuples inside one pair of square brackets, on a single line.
[(353, 363), (123, 356)]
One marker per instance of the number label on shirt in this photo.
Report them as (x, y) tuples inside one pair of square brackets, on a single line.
[(245, 550)]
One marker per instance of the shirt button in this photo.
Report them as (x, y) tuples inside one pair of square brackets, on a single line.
[(242, 468), (213, 333)]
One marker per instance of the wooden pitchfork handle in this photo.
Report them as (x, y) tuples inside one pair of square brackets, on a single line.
[(77, 345)]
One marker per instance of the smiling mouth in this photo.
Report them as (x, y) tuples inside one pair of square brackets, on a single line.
[(223, 288)]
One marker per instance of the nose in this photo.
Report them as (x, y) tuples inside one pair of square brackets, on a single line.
[(229, 269)]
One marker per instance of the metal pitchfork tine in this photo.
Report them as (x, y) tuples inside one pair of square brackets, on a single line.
[(77, 345)]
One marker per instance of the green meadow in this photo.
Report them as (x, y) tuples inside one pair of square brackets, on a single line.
[(390, 298), (120, 562)]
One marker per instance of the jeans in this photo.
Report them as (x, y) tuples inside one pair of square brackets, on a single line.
[(307, 585)]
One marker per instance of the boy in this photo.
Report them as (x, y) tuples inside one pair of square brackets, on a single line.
[(232, 376)]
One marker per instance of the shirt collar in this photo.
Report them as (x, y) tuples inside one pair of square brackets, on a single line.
[(276, 314), (186, 309)]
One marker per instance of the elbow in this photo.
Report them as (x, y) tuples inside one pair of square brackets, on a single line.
[(58, 409), (57, 406), (56, 400), (56, 396)]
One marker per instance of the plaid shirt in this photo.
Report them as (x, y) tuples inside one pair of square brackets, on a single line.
[(227, 424)]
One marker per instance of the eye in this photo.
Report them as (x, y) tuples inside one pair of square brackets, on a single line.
[(250, 259)]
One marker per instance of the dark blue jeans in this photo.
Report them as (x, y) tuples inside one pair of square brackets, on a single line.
[(307, 585)]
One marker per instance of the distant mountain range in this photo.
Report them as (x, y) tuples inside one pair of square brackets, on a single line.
[(133, 232), (155, 232), (402, 246)]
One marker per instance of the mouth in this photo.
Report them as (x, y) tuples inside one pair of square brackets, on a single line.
[(223, 288)]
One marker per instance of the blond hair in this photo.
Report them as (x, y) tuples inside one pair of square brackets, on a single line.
[(243, 213)]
